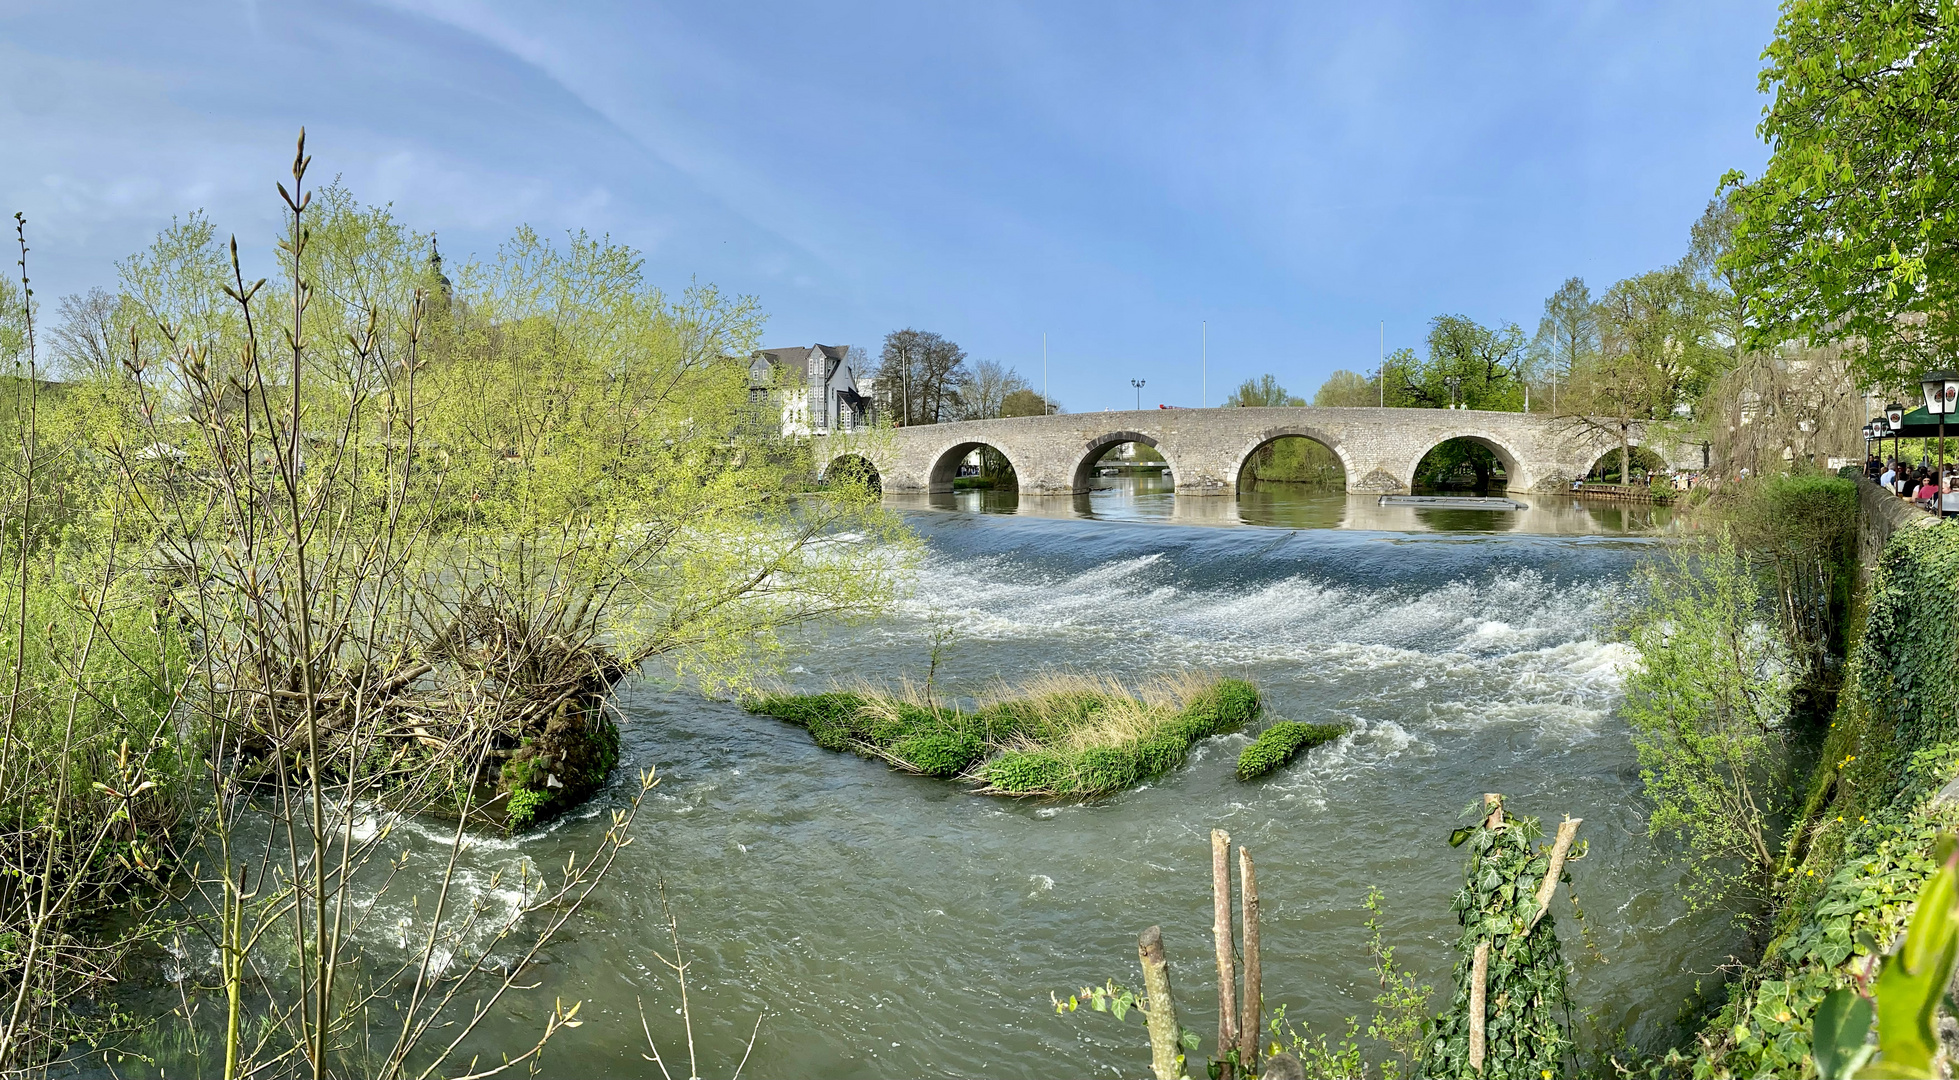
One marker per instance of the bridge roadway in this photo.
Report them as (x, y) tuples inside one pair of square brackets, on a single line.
[(1378, 448)]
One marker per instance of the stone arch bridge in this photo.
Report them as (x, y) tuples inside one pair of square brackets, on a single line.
[(1379, 449)]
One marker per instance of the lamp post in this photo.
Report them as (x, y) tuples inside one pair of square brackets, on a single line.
[(1454, 383), (1941, 394), (1138, 384), (1894, 418)]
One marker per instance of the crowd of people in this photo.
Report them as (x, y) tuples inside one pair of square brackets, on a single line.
[(1921, 483)]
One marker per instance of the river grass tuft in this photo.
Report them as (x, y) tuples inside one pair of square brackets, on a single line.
[(1057, 734)]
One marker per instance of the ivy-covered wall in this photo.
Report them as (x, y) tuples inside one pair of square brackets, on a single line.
[(1862, 845)]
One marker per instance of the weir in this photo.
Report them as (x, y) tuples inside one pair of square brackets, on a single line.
[(1379, 449)]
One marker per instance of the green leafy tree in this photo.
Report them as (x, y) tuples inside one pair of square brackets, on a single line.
[(1468, 364), (1707, 705), (1028, 403), (1264, 390), (1656, 361), (1851, 232), (1348, 389), (1567, 335)]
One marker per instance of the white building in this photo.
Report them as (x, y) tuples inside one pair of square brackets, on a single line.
[(816, 388)]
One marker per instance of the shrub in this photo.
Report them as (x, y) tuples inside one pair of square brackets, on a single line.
[(1026, 772), (941, 754), (524, 804), (1281, 743)]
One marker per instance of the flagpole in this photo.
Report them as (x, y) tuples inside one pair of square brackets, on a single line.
[(1204, 363), (1044, 373)]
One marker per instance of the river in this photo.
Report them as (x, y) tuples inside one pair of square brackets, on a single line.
[(885, 925)]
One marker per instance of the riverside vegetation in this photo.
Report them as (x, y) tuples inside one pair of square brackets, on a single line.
[(287, 561), (1055, 735)]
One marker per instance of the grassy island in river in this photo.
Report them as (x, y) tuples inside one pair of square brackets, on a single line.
[(1056, 735)]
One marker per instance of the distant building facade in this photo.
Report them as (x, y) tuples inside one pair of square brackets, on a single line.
[(810, 389)]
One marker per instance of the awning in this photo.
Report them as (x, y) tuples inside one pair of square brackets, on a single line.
[(1921, 424)]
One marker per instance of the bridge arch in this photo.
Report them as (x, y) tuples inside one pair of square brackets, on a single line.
[(1084, 470), (1516, 477), (1304, 431), (850, 465), (1643, 457), (946, 462)]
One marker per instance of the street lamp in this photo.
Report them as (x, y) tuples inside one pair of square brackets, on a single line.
[(1454, 383), (1941, 395), (1138, 384), (1894, 419)]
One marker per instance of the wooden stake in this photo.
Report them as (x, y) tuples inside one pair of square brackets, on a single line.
[(1162, 1016), (1221, 931), (1493, 802), (1479, 977), (1567, 829), (1251, 1008)]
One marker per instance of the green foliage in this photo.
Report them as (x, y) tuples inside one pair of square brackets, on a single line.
[(1911, 983), (1526, 1005), (1457, 460), (1066, 738), (1401, 1020), (1337, 1058), (1348, 389), (1863, 846), (1294, 459), (943, 753), (1262, 391), (524, 804), (1707, 706), (1800, 530), (1280, 743), (1852, 230), (1486, 362)]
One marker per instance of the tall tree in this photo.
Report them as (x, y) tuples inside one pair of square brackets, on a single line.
[(1485, 363), (919, 378), (1346, 389), (91, 334), (1567, 335), (984, 392), (1264, 390), (1851, 233), (1654, 364)]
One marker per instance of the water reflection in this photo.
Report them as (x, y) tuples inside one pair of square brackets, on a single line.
[(1296, 506)]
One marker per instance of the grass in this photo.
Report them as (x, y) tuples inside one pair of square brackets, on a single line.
[(1282, 742), (1057, 734)]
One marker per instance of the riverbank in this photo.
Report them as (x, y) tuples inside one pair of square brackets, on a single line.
[(1879, 796)]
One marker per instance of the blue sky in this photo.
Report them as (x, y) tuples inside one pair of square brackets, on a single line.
[(1111, 174)]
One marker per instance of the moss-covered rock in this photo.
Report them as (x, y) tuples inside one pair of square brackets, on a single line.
[(1282, 742), (560, 767)]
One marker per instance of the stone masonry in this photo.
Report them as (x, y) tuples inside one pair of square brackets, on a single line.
[(1378, 448)]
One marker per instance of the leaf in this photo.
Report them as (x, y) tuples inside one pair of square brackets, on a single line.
[(1458, 836), (1841, 1035)]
